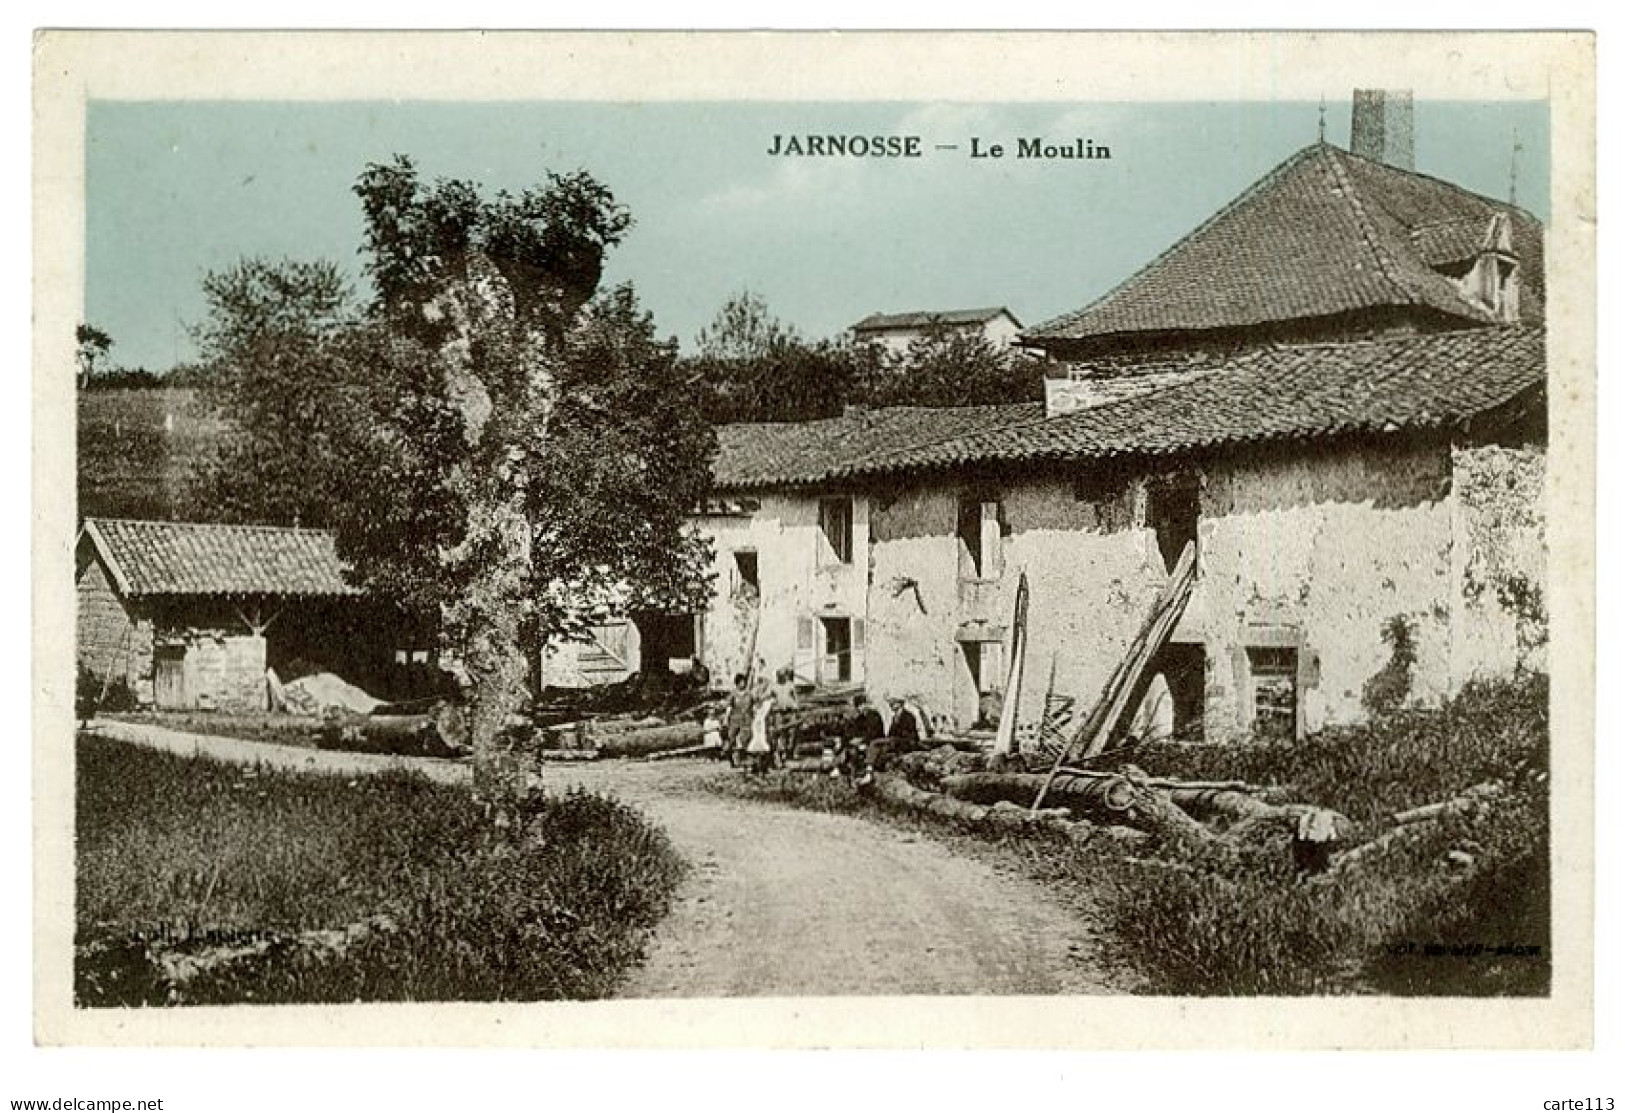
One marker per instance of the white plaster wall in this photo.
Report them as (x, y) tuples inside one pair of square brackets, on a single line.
[(1092, 575), (784, 532), (1334, 542)]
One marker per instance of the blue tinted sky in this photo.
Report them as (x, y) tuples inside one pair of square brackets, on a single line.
[(176, 189)]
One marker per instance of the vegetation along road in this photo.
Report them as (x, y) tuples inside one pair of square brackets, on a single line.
[(782, 902)]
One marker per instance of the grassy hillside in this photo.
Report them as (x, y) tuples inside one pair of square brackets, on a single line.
[(136, 447)]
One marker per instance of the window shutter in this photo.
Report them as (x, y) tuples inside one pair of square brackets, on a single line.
[(857, 635), (992, 567), (806, 634)]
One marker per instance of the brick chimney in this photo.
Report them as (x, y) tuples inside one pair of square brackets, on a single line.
[(1382, 129)]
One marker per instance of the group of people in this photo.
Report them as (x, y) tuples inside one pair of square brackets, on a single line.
[(761, 728)]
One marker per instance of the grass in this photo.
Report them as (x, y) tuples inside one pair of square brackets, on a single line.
[(1409, 921), (177, 856), (1490, 731)]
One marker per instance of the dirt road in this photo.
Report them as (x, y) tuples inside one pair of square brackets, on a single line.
[(781, 902)]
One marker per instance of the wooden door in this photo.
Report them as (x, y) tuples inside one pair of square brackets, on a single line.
[(169, 677)]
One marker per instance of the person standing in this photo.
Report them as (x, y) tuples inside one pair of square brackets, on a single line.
[(759, 750), (737, 734)]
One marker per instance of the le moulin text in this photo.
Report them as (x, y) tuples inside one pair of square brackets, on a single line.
[(914, 146)]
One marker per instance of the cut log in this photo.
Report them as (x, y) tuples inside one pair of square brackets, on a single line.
[(702, 750), (416, 735), (1468, 800), (810, 765), (638, 743), (899, 791), (569, 755), (1401, 826)]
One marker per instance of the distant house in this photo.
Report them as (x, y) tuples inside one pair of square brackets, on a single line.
[(896, 331), (190, 615)]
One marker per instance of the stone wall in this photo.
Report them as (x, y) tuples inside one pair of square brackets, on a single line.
[(223, 671), (110, 636)]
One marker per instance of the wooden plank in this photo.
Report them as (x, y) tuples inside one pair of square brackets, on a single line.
[(1097, 728), (1170, 606), (1004, 741)]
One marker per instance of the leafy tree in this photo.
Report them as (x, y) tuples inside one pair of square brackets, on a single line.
[(278, 370), (93, 347), (743, 329), (532, 445), (956, 367), (755, 368)]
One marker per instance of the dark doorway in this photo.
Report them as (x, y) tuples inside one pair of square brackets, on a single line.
[(666, 638), (1172, 505), (747, 574)]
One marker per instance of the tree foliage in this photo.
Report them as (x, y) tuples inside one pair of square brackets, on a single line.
[(93, 346), (498, 445), (278, 354), (754, 367), (956, 367)]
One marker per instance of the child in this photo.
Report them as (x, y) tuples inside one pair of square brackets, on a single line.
[(759, 751)]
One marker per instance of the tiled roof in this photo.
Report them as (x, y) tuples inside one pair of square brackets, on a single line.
[(928, 318), (780, 453), (195, 558), (1267, 394), (1326, 232)]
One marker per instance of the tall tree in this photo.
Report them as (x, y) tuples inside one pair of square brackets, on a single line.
[(277, 371), (537, 445), (756, 368), (93, 347)]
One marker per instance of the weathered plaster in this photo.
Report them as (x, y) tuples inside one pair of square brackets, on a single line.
[(795, 584), (1498, 595)]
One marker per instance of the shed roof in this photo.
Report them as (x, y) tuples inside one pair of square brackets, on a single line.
[(1324, 390), (206, 558), (1326, 232)]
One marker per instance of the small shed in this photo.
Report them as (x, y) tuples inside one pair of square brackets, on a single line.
[(191, 614)]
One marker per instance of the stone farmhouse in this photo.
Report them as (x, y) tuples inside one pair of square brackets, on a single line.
[(1335, 387)]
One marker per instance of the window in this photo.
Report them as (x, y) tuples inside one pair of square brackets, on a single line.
[(1274, 692), (1172, 504), (980, 534), (747, 578), (835, 531)]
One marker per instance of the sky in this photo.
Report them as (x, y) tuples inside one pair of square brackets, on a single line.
[(176, 189)]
